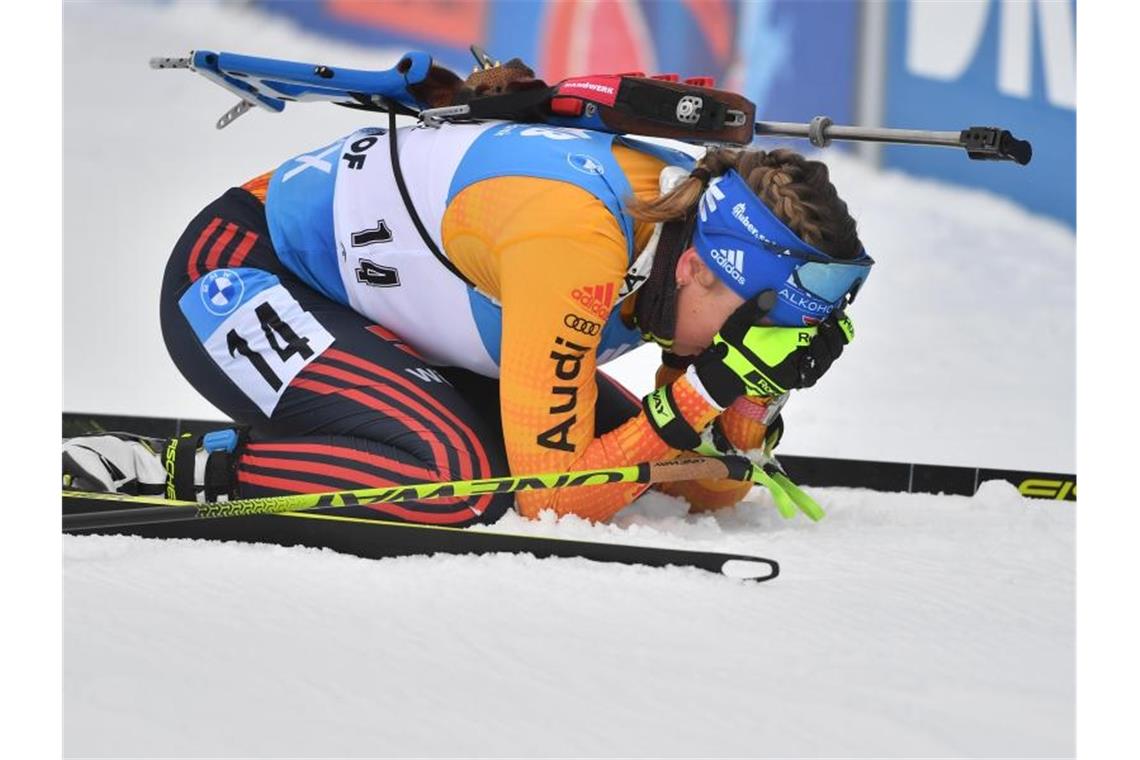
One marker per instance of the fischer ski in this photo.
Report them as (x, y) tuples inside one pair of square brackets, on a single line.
[(381, 539)]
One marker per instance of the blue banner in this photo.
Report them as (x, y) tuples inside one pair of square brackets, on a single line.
[(797, 60), (1008, 64)]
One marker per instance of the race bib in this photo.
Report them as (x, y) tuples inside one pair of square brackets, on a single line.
[(255, 331)]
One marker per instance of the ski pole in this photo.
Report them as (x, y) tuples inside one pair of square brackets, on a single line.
[(980, 143), (163, 511)]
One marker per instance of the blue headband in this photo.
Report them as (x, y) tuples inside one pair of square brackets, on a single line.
[(751, 250)]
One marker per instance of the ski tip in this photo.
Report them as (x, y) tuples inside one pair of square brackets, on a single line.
[(750, 569)]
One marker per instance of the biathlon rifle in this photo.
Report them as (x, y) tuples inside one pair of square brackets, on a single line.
[(663, 105)]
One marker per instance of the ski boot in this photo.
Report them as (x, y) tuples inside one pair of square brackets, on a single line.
[(187, 468)]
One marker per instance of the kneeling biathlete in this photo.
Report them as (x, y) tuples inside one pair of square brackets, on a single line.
[(307, 306)]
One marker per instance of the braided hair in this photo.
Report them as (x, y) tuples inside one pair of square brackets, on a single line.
[(796, 189)]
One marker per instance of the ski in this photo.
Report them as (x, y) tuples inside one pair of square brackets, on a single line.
[(915, 477), (818, 472), (371, 538)]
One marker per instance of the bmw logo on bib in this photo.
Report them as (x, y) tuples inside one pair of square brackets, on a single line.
[(221, 290), (585, 164)]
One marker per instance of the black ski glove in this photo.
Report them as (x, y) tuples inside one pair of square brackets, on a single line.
[(832, 334), (747, 358)]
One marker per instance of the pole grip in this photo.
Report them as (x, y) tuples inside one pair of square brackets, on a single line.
[(701, 468)]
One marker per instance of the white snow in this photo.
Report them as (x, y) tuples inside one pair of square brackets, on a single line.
[(902, 625)]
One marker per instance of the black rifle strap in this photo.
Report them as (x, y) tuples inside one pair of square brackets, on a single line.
[(530, 105), (399, 176)]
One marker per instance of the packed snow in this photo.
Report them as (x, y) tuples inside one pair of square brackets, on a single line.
[(901, 625)]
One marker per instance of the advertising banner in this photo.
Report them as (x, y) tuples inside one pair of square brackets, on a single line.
[(948, 65), (1009, 63), (793, 59)]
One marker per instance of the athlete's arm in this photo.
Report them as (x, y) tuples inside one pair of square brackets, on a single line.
[(744, 427), (553, 255)]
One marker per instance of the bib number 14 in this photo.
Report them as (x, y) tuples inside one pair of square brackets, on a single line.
[(266, 343), (280, 337)]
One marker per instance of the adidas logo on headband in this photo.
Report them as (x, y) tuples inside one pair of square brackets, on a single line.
[(731, 260)]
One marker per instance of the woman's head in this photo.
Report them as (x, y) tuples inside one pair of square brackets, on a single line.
[(758, 214)]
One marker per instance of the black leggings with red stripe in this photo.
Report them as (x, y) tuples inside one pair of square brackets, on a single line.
[(365, 412)]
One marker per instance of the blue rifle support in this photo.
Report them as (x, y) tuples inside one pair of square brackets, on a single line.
[(270, 82)]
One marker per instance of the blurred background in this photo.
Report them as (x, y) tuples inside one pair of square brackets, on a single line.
[(933, 64), (966, 338)]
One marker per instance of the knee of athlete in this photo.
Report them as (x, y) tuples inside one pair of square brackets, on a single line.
[(451, 462)]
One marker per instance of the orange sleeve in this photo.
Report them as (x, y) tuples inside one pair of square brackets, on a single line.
[(743, 425), (258, 186), (548, 251)]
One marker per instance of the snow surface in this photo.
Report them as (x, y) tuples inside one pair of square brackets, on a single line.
[(902, 625)]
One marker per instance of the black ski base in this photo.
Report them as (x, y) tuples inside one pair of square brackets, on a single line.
[(381, 539)]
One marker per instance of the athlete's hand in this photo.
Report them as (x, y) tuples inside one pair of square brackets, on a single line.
[(750, 359), (767, 471), (714, 441)]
